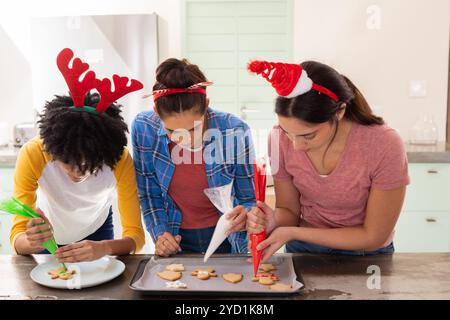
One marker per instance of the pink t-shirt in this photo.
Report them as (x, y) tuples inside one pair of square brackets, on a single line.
[(373, 157)]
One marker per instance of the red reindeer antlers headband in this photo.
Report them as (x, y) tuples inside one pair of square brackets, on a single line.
[(79, 88), (289, 80)]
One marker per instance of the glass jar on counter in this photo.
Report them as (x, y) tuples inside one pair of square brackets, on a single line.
[(424, 131)]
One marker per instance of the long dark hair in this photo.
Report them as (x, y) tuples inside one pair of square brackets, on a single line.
[(174, 73), (314, 107)]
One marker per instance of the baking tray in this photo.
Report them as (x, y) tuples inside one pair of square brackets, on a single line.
[(146, 281)]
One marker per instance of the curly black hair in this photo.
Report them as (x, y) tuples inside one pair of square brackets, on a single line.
[(83, 140)]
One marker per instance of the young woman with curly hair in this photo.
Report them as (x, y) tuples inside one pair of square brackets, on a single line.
[(72, 171)]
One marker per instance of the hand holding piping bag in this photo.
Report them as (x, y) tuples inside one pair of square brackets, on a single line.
[(16, 207)]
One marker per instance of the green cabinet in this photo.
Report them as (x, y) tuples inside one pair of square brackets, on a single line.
[(222, 37), (424, 224), (423, 232), (429, 188)]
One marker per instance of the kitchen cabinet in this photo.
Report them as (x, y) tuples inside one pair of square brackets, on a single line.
[(430, 187), (423, 232), (424, 224)]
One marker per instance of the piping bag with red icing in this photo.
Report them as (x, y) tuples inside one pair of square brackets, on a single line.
[(260, 193)]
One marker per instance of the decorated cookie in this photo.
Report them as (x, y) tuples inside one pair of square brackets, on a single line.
[(267, 267), (204, 274), (169, 275), (233, 277), (61, 273), (269, 275), (175, 267), (267, 281)]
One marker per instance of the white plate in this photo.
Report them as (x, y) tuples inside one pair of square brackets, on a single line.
[(88, 274)]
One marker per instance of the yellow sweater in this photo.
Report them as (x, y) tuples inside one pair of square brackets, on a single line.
[(30, 173)]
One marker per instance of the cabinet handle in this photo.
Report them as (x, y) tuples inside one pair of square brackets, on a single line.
[(431, 220), (433, 171)]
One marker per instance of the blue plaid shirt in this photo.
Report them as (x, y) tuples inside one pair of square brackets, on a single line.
[(154, 170)]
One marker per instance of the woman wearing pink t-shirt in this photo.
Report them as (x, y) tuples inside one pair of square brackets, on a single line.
[(340, 173)]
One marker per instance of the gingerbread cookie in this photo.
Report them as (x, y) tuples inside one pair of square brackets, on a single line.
[(169, 275), (280, 287), (204, 274), (268, 275), (233, 277), (267, 267), (267, 281), (61, 273), (176, 267)]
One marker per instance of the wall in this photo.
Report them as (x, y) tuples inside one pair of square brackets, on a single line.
[(412, 44), (15, 37)]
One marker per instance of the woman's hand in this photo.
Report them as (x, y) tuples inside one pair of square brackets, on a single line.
[(238, 219), (39, 230), (260, 218), (167, 244), (86, 250), (275, 241)]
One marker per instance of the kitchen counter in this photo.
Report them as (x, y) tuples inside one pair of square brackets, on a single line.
[(439, 153), (403, 276)]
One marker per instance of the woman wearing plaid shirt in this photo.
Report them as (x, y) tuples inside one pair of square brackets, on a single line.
[(182, 148)]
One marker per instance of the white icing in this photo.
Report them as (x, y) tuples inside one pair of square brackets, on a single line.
[(176, 284)]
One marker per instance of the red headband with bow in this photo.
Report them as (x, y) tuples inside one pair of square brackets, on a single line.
[(195, 88)]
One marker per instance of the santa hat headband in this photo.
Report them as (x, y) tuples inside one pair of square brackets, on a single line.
[(79, 88), (195, 88), (289, 80)]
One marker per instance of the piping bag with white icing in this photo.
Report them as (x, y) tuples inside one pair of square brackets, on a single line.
[(221, 198)]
